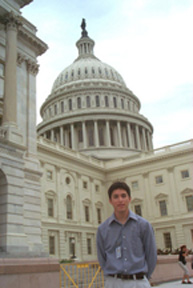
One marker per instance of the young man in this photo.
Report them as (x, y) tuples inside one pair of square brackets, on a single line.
[(125, 243)]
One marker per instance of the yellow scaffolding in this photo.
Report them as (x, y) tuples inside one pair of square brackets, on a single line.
[(81, 275)]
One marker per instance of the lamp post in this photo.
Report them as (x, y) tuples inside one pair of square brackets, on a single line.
[(73, 248)]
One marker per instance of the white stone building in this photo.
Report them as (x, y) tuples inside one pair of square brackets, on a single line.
[(92, 134)]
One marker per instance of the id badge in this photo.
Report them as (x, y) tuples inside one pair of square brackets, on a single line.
[(118, 252)]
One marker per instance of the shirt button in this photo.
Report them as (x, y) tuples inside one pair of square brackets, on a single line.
[(125, 248), (124, 236), (125, 270), (125, 259)]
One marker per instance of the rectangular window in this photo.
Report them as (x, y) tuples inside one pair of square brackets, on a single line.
[(85, 184), (99, 216), (55, 109), (87, 216), (185, 174), (62, 107), (52, 245), (163, 208), (50, 208), (80, 135), (134, 185), (49, 175), (168, 241), (138, 210), (96, 188), (89, 246), (189, 203), (158, 179)]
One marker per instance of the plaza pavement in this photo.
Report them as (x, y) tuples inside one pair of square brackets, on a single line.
[(174, 284)]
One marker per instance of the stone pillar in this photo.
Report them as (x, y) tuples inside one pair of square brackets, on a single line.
[(72, 135), (119, 133), (52, 135), (144, 139), (130, 140), (137, 137), (61, 135), (84, 135), (149, 140), (32, 69), (10, 95), (96, 134), (108, 134)]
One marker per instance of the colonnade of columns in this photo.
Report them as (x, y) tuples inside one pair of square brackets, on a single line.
[(114, 134)]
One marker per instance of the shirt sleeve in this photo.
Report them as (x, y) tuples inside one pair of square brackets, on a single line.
[(100, 249), (149, 248)]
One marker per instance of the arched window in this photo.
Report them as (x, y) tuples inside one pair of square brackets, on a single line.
[(106, 101), (70, 104), (97, 101), (62, 107), (68, 207), (122, 103), (88, 101), (79, 102), (115, 101)]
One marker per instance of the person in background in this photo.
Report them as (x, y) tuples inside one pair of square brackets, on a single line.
[(182, 262), (126, 246)]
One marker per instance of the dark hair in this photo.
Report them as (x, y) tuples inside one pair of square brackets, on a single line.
[(182, 247), (119, 185)]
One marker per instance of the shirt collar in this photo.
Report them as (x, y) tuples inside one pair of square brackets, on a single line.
[(131, 215)]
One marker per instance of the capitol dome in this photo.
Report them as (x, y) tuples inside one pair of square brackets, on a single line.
[(91, 110)]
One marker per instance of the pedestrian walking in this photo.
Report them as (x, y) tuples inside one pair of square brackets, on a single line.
[(182, 262)]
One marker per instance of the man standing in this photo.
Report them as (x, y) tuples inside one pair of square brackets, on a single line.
[(125, 243)]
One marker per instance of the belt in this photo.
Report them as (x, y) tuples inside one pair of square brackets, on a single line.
[(138, 276)]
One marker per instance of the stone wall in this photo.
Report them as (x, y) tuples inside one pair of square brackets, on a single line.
[(29, 273), (167, 269)]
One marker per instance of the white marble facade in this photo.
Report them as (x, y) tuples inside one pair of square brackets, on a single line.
[(53, 188)]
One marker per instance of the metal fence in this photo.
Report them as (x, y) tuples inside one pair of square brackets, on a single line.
[(81, 275)]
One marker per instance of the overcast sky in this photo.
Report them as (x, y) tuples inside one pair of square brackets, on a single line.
[(149, 42)]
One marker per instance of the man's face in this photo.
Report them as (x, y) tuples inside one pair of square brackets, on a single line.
[(120, 200)]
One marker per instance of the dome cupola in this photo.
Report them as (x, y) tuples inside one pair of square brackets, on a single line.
[(91, 110)]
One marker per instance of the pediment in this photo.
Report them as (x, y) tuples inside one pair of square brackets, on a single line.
[(161, 196), (136, 200), (187, 191)]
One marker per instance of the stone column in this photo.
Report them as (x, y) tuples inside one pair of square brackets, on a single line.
[(137, 137), (144, 139), (72, 135), (130, 140), (52, 135), (84, 135), (10, 95), (61, 135), (32, 69), (149, 140), (119, 133), (96, 134), (108, 134)]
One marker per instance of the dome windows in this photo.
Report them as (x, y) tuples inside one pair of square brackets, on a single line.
[(97, 101), (122, 103), (87, 101), (106, 101), (79, 102), (70, 104), (115, 102)]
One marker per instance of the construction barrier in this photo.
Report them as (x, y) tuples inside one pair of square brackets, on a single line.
[(81, 275)]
